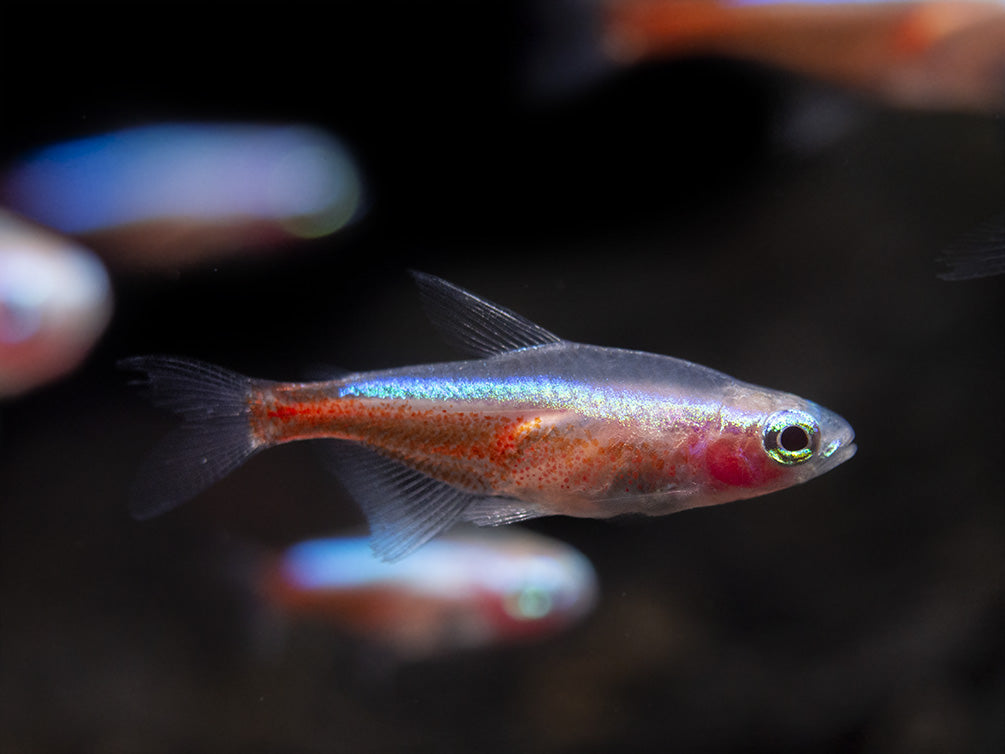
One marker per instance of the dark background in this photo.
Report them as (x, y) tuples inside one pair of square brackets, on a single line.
[(676, 208)]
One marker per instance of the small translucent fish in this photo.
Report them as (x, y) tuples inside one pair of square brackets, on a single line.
[(535, 426), (174, 192), (462, 591), (981, 253), (942, 54), (55, 300)]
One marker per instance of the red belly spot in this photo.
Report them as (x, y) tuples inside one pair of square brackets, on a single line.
[(739, 462)]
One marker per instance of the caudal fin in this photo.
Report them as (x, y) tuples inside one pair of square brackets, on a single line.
[(214, 439)]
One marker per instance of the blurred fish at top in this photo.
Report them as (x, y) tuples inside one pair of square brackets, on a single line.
[(55, 300), (170, 193), (463, 591), (935, 54), (981, 253)]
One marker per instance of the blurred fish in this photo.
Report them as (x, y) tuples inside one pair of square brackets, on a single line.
[(941, 54), (55, 300), (536, 426), (463, 591), (164, 194), (979, 254)]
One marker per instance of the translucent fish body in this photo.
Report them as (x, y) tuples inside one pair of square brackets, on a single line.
[(564, 428), (537, 426)]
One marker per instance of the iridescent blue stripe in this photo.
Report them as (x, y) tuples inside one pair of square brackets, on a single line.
[(539, 392), (295, 175), (546, 391), (504, 564)]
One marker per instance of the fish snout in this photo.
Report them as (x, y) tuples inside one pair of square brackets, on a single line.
[(837, 440)]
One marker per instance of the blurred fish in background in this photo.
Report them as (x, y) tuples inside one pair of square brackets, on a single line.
[(466, 590), (940, 54), (157, 196), (167, 194), (55, 301)]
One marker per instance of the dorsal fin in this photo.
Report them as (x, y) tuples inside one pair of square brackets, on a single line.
[(475, 325)]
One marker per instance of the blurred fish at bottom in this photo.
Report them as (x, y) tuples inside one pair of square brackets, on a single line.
[(937, 54), (55, 300), (170, 193), (465, 590)]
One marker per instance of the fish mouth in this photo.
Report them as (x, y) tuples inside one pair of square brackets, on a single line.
[(836, 453), (841, 446)]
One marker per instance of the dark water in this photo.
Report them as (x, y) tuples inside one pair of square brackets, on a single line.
[(660, 210)]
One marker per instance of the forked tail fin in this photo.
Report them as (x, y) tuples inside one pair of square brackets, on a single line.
[(214, 439)]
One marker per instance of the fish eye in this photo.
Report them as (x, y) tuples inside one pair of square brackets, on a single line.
[(530, 603), (791, 437), (794, 439)]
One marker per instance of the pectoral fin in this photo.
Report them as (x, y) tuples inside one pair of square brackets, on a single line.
[(497, 511), (404, 507)]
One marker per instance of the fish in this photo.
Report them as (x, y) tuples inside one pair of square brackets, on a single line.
[(169, 193), (532, 426), (925, 54), (55, 302), (465, 590)]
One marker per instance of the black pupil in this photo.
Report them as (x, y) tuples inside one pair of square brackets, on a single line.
[(793, 439)]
